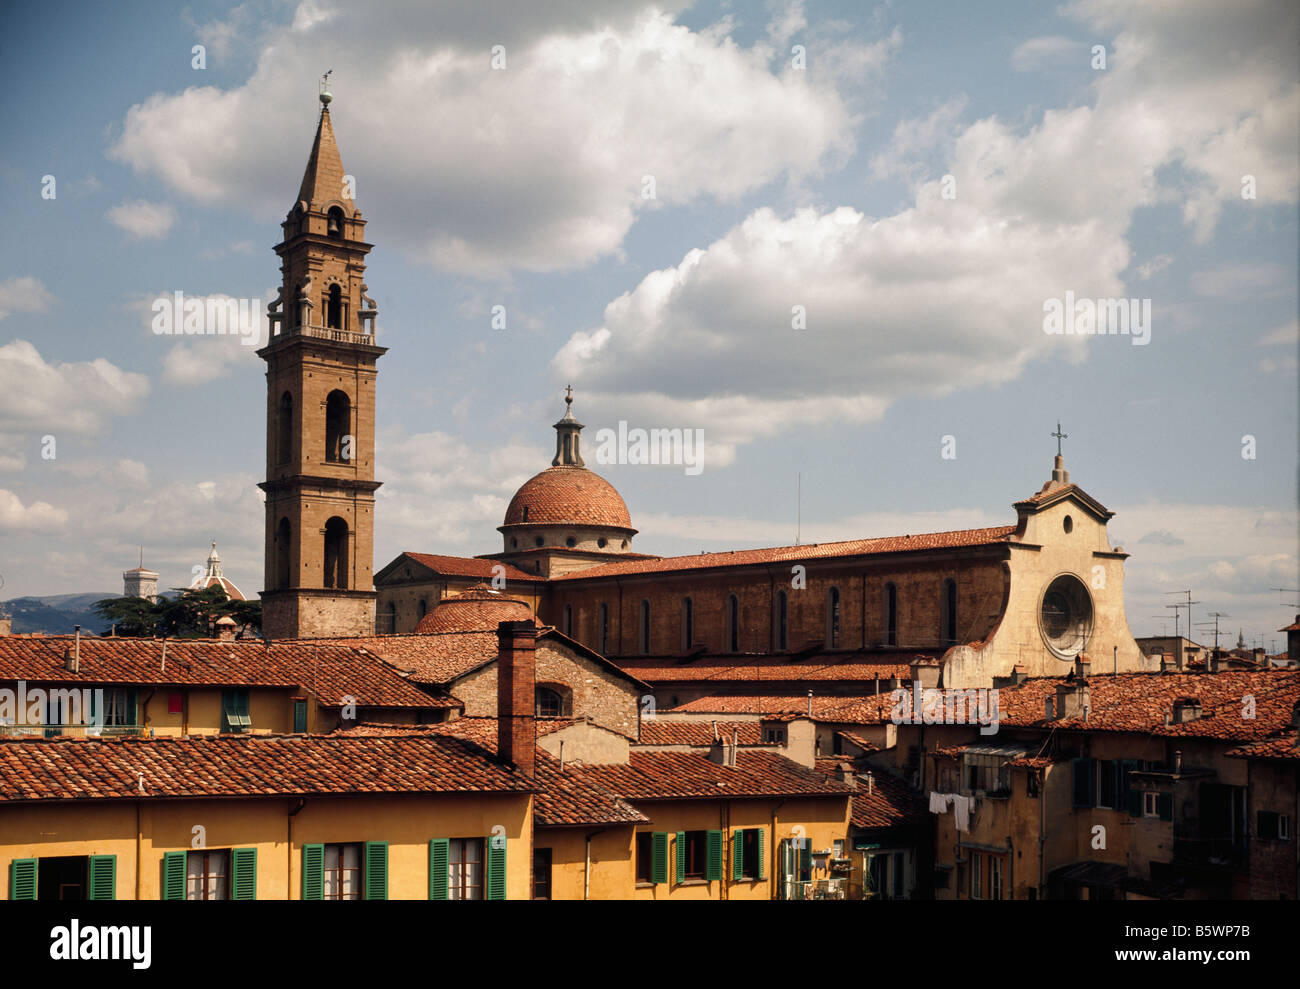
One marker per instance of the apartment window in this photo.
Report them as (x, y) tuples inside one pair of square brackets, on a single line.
[(986, 876), (541, 873), (747, 854), (645, 627), (234, 711), (1031, 783), (644, 856), (782, 621), (733, 624), (299, 716), (1150, 804), (465, 862), (694, 854), (995, 877), (833, 618), (568, 620), (688, 623), (550, 703), (774, 736), (948, 611), (119, 707), (891, 615), (976, 876), (1107, 783), (207, 875), (342, 872), (986, 773), (885, 875)]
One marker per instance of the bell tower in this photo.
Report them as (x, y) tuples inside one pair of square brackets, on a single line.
[(320, 411)]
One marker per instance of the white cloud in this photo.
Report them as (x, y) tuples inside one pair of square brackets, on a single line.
[(36, 396), (1242, 281), (1157, 264), (1050, 51), (17, 517), (143, 219), (1286, 335), (24, 294), (536, 166)]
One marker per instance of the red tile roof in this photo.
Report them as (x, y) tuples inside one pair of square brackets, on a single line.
[(331, 671), (890, 802), (563, 797), (793, 554), (468, 566), (247, 766), (476, 609), (860, 709), (568, 495), (837, 666), (698, 734), (651, 775), (865, 744), (1281, 748)]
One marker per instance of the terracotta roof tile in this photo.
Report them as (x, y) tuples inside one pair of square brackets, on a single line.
[(477, 608), (868, 709), (568, 495), (1281, 748), (889, 803), (246, 766), (653, 775), (469, 566), (698, 734), (826, 666)]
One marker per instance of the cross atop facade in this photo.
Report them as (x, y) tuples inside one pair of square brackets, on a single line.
[(568, 394), (1059, 436)]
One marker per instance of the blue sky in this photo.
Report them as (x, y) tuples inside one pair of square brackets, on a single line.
[(775, 187)]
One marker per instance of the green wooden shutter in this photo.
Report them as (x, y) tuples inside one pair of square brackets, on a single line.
[(1131, 799), (496, 870), (679, 856), (300, 717), (439, 857), (313, 872), (713, 861), (243, 873), (103, 877), (659, 857), (376, 870), (173, 866), (737, 855), (760, 869), (22, 879), (1165, 805), (1082, 782)]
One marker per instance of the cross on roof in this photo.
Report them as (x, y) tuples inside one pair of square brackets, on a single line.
[(1059, 436)]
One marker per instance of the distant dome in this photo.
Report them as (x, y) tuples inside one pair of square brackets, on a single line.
[(213, 575), (476, 609), (568, 495)]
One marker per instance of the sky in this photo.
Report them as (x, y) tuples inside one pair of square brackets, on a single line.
[(829, 235)]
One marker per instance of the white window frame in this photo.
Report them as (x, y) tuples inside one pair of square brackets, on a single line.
[(1150, 803)]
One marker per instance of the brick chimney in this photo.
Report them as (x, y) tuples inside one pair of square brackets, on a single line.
[(1186, 709), (1018, 675), (926, 670), (516, 687)]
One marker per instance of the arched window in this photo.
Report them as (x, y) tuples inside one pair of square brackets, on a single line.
[(688, 623), (891, 615), (733, 624), (602, 634), (424, 607), (390, 618), (948, 612), (782, 621), (284, 434), (336, 554), (334, 308), (568, 620), (338, 423), (645, 627), (334, 222), (833, 618), (552, 702), (283, 569)]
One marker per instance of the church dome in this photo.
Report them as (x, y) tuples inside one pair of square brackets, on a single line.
[(568, 495), (476, 609), (213, 575)]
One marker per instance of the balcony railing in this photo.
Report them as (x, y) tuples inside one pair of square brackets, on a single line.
[(73, 731), (818, 889)]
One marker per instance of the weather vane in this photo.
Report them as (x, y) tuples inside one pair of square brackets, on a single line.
[(325, 95)]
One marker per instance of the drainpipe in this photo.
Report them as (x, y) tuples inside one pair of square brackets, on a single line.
[(1011, 866), (586, 869), (1042, 838), (139, 841), (724, 821), (775, 855), (288, 847)]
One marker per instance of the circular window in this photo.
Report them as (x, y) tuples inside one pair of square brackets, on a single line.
[(570, 542), (601, 542), (1068, 524), (1065, 616), (540, 540)]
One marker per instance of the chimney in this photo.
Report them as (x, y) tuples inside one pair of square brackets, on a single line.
[(1047, 709), (1178, 762), (1082, 666), (926, 670), (72, 660), (225, 629), (1168, 662), (6, 626), (844, 773), (810, 703), (1018, 675), (735, 744), (871, 782), (1186, 709), (516, 687)]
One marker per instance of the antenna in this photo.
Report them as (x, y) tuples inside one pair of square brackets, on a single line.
[(1288, 590), (1189, 602), (1216, 615)]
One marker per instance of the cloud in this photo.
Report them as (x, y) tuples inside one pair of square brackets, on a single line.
[(1161, 537), (536, 166), (1286, 335), (36, 396), (1242, 281), (1153, 267), (23, 294), (143, 219), (15, 516), (1050, 51)]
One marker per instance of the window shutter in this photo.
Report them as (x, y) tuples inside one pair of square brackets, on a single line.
[(679, 856), (659, 857), (299, 717), (313, 872), (439, 855), (760, 869), (243, 873), (496, 869), (1130, 798), (713, 862), (376, 870), (133, 717), (737, 855), (173, 876), (1082, 770), (22, 879), (805, 860), (1165, 805), (103, 877)]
